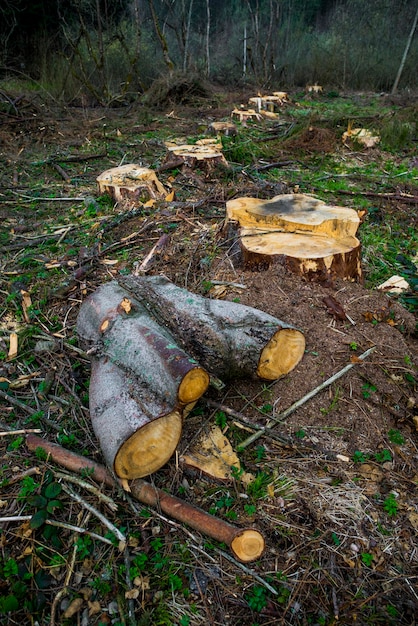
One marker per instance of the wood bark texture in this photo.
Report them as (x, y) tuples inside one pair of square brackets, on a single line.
[(247, 544), (228, 339), (141, 384), (303, 233)]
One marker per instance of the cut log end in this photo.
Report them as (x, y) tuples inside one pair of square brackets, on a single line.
[(282, 353), (149, 448), (248, 545), (193, 385)]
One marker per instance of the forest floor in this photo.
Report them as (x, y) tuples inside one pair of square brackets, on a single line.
[(335, 494)]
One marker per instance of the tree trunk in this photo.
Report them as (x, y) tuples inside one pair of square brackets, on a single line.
[(143, 384), (228, 339), (299, 231)]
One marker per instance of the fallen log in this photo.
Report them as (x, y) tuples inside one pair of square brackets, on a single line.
[(228, 339), (246, 544), (141, 383)]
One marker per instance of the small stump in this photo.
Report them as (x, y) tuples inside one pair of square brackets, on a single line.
[(222, 128), (205, 155), (131, 182), (303, 233)]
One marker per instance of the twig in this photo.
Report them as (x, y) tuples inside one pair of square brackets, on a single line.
[(51, 522), (97, 513), (63, 592), (89, 487), (282, 416), (17, 403), (20, 432)]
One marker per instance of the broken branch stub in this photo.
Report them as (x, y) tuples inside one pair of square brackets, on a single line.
[(301, 232), (230, 340)]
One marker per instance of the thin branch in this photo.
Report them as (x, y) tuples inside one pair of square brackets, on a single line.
[(282, 416), (97, 513)]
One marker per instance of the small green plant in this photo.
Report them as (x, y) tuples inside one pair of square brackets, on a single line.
[(300, 434), (353, 346), (367, 558), (367, 390), (359, 457), (390, 505), (335, 539), (396, 437), (250, 509), (383, 456), (257, 488), (257, 598), (220, 419), (260, 453)]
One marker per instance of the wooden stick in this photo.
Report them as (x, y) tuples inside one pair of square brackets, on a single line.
[(246, 544), (282, 416)]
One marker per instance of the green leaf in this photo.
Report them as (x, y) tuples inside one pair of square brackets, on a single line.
[(54, 504), (52, 490), (38, 519), (8, 603), (37, 501)]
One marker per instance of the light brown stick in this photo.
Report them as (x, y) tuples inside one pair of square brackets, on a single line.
[(246, 544)]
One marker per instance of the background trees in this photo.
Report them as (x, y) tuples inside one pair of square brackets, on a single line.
[(113, 49)]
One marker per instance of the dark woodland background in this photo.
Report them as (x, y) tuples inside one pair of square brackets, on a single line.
[(111, 51)]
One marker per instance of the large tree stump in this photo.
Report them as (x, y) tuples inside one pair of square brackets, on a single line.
[(131, 182), (228, 339), (303, 233)]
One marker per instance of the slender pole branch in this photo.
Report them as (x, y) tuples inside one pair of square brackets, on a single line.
[(282, 416)]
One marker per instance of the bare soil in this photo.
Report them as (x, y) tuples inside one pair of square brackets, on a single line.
[(337, 550)]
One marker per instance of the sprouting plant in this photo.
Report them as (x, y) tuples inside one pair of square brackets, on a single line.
[(300, 434), (383, 456), (29, 486), (220, 419), (257, 598), (359, 457), (257, 488), (396, 437), (367, 558), (260, 453), (335, 538), (367, 390), (390, 505), (15, 444), (353, 346), (250, 509)]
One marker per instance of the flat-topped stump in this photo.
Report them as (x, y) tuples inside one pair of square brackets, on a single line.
[(299, 231)]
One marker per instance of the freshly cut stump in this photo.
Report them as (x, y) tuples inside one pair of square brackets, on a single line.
[(228, 339), (222, 128), (131, 182), (303, 233), (206, 156)]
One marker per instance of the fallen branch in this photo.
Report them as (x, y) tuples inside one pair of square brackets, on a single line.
[(247, 544), (282, 416)]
